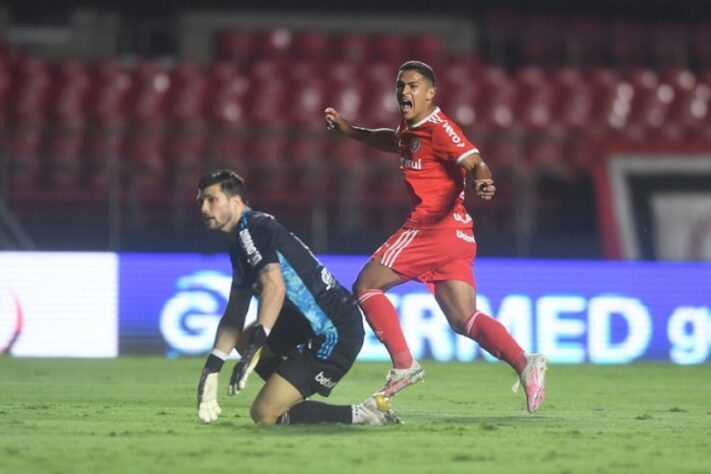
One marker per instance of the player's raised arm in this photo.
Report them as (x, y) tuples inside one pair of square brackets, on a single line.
[(381, 138), (228, 331), (483, 180)]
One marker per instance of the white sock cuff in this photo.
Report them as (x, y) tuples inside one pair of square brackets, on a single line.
[(368, 294), (219, 354)]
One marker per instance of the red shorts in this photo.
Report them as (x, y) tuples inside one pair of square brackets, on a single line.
[(430, 255)]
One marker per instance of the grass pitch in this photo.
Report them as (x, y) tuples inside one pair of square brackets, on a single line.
[(138, 415)]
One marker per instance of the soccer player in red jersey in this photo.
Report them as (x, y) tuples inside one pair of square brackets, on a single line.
[(436, 245)]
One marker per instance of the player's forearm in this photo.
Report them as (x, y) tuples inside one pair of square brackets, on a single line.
[(482, 171), (227, 335), (270, 303), (475, 165), (380, 138)]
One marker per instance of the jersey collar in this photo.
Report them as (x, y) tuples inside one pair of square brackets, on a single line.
[(434, 112)]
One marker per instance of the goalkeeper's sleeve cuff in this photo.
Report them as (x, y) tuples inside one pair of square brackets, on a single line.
[(213, 363)]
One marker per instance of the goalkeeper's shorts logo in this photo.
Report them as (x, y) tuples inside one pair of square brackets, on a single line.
[(10, 320), (325, 381)]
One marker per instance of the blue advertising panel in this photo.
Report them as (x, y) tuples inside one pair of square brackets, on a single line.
[(573, 311)]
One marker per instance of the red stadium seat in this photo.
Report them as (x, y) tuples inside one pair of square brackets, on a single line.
[(535, 99), (63, 166), (546, 155), (347, 98), (426, 47), (112, 87), (273, 44), (311, 45), (32, 92), (305, 105), (72, 89), (389, 47), (188, 97), (150, 94), (574, 99), (235, 45), (351, 47)]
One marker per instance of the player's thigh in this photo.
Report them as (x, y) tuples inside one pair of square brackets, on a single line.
[(457, 300), (276, 397), (376, 276)]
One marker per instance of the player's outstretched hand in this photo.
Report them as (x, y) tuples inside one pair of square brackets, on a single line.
[(249, 360), (208, 409), (335, 121), (484, 188)]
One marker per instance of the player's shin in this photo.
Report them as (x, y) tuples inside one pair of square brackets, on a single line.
[(383, 318), (493, 337)]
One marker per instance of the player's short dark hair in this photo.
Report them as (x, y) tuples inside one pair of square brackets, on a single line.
[(420, 67), (230, 183)]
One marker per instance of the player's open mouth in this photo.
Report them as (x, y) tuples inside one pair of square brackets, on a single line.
[(405, 106)]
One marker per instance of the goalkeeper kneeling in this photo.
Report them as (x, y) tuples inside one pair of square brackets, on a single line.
[(309, 328)]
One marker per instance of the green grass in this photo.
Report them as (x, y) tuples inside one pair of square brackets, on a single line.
[(138, 415)]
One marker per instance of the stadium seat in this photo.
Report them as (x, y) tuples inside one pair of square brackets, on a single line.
[(188, 96), (72, 87), (305, 104), (235, 45), (535, 98), (389, 47), (426, 47), (351, 47), (573, 99), (150, 94), (273, 44), (311, 45), (347, 98)]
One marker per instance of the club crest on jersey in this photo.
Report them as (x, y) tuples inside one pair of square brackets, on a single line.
[(415, 145), (410, 164)]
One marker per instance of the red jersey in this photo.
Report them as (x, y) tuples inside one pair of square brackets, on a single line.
[(430, 151)]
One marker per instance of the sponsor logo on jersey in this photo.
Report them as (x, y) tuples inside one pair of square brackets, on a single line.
[(10, 320), (410, 164), (465, 237), (325, 381), (253, 255), (415, 144), (327, 278), (456, 139), (463, 217)]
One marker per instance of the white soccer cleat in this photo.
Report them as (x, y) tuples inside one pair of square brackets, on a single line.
[(398, 379), (376, 410), (533, 380)]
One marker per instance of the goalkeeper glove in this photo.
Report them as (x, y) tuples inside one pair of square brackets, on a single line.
[(249, 360), (208, 409)]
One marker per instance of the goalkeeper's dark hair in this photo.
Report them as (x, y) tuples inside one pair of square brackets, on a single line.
[(230, 183), (420, 67)]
